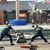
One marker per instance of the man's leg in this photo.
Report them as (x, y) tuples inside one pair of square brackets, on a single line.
[(44, 38), (11, 40), (34, 37), (2, 35)]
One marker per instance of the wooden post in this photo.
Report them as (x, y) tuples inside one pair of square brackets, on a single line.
[(17, 9)]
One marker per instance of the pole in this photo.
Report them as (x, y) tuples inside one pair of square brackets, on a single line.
[(17, 9)]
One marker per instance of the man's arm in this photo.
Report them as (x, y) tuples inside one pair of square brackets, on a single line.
[(13, 30)]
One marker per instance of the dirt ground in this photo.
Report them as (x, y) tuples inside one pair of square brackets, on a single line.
[(40, 43), (41, 46)]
